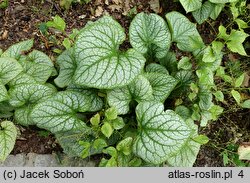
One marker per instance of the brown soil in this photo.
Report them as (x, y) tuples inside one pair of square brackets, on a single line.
[(21, 21)]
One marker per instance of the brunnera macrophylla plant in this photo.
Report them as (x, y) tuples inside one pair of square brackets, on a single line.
[(112, 101)]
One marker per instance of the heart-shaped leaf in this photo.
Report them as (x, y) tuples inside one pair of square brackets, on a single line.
[(29, 94), (191, 5), (68, 64), (59, 113), (148, 33), (8, 134), (16, 50), (184, 33), (161, 84), (160, 133), (3, 93), (202, 14), (100, 62), (9, 69)]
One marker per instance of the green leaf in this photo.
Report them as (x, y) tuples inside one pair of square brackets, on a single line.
[(223, 33), (69, 141), (149, 33), (203, 13), (40, 72), (209, 55), (160, 133), (236, 96), (246, 104), (191, 5), (22, 115), (201, 139), (8, 135), (187, 154), (140, 89), (169, 61), (95, 120), (16, 50), (66, 43), (59, 113), (125, 146), (241, 24), (235, 41), (9, 69), (3, 93), (57, 23), (222, 1), (185, 63), (111, 113), (100, 62), (117, 123), (244, 152), (206, 77), (162, 85), (216, 11), (219, 96), (183, 32), (107, 129), (99, 144), (225, 158), (205, 99), (29, 94), (6, 109), (215, 111), (120, 99), (86, 151), (239, 80), (39, 58), (153, 67), (183, 111), (22, 78)]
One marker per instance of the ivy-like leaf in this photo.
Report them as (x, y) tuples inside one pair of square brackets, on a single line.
[(8, 134), (9, 69), (149, 33), (216, 11), (3, 93), (68, 64), (162, 85), (15, 51), (184, 33), (100, 63), (29, 94), (191, 5), (203, 13), (59, 113), (161, 133)]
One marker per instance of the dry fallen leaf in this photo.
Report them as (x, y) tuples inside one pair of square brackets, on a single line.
[(4, 35), (155, 5), (246, 81), (244, 151), (98, 11), (114, 7), (117, 1)]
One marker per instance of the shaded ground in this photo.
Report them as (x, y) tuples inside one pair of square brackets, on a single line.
[(21, 21)]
